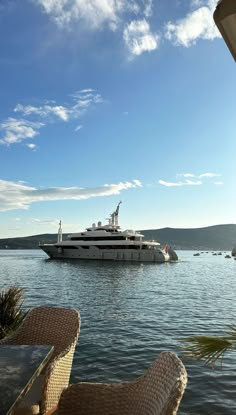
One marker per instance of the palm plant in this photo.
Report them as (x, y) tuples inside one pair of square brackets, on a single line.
[(210, 348), (11, 314)]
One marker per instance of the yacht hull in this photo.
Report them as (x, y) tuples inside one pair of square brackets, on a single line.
[(55, 252)]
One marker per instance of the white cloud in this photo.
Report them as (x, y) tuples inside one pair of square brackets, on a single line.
[(209, 175), (87, 90), (19, 196), (192, 183), (84, 98), (80, 102), (208, 3), (94, 13), (219, 183), (188, 182), (99, 14), (197, 3), (78, 127), (44, 222), (186, 175), (44, 111), (31, 146), (137, 183), (148, 8), (178, 184), (16, 130), (198, 24), (138, 37), (169, 184)]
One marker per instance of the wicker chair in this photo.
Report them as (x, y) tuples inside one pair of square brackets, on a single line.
[(48, 326), (158, 392)]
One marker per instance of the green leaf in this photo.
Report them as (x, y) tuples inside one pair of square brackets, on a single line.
[(208, 348), (11, 314)]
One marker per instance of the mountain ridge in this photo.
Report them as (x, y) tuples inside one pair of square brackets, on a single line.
[(216, 237)]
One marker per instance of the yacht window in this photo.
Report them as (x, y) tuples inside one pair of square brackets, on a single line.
[(98, 238), (67, 247), (109, 247)]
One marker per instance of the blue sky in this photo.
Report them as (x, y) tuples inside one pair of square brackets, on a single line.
[(109, 100)]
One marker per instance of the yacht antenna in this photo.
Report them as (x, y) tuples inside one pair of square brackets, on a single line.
[(114, 216), (117, 209)]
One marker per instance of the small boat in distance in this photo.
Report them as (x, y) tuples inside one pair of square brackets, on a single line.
[(108, 242)]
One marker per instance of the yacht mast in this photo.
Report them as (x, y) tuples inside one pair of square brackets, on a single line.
[(59, 235)]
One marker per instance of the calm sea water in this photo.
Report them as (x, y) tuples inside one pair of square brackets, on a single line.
[(132, 312)]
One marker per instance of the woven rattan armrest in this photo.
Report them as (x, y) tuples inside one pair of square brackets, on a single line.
[(158, 392)]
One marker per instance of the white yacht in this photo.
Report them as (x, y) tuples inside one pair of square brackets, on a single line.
[(108, 242)]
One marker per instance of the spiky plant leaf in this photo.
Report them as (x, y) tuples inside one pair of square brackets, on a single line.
[(232, 332), (207, 348), (11, 314)]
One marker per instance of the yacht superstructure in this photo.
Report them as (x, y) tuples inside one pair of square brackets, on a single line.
[(108, 242)]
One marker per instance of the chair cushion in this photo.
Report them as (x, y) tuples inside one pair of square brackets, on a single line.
[(30, 404), (32, 410)]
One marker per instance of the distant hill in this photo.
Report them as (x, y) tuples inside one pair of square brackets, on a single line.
[(27, 242), (211, 238), (215, 238)]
